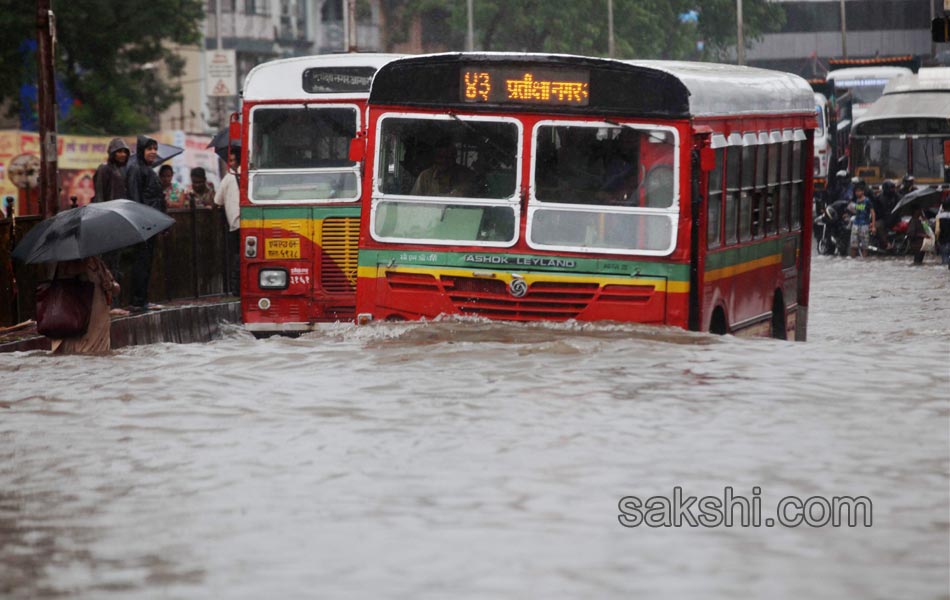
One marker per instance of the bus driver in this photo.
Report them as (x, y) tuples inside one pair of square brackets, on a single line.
[(445, 177)]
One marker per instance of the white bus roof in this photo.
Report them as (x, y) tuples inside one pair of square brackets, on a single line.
[(922, 96), (282, 79), (722, 89), (928, 79), (860, 73)]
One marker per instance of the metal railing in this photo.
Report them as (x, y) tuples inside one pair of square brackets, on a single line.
[(190, 262)]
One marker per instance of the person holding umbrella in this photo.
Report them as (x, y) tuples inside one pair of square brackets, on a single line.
[(97, 338), (144, 187), (75, 314)]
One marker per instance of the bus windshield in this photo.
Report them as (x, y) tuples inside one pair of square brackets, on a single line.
[(422, 160), (619, 180), (301, 153)]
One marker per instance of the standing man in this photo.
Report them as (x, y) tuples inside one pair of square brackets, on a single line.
[(109, 179), (200, 190), (145, 187), (109, 184), (863, 221), (229, 196)]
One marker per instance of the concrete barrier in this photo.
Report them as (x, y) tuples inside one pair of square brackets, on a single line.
[(185, 324)]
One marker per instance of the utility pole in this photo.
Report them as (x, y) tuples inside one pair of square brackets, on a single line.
[(610, 28), (349, 22), (218, 101), (46, 107), (844, 31), (740, 38), (470, 31)]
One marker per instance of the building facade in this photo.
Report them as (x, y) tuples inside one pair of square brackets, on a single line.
[(259, 31), (813, 33)]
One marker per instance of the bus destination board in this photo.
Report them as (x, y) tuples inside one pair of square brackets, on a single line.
[(513, 85), (330, 80)]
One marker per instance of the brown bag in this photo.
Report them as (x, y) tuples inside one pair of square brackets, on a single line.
[(63, 307)]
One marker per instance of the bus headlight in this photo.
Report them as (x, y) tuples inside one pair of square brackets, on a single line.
[(272, 279)]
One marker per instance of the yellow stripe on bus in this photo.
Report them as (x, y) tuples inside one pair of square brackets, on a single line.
[(745, 267), (296, 226), (659, 284)]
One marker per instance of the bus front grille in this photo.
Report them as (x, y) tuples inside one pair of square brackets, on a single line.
[(544, 300), (338, 264)]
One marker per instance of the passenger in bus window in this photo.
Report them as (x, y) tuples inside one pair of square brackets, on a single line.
[(445, 177), (622, 176), (579, 166)]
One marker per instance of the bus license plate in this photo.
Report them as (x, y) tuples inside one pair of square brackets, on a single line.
[(282, 248)]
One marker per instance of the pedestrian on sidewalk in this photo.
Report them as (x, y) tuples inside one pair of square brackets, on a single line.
[(97, 339), (109, 184), (229, 196), (144, 187), (200, 190)]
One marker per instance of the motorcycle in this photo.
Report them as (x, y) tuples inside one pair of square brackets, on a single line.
[(898, 244), (832, 229)]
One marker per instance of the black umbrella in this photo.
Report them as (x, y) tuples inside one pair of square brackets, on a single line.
[(923, 198), (89, 230), (165, 152), (221, 141)]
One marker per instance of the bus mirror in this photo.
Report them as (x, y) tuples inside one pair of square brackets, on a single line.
[(707, 159), (234, 132), (357, 149)]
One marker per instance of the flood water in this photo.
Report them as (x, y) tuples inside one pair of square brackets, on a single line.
[(486, 460)]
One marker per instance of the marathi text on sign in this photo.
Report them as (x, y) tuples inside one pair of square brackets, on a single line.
[(541, 86), (282, 248)]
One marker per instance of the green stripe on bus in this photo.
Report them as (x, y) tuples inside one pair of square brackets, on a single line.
[(734, 256), (524, 262), (257, 213)]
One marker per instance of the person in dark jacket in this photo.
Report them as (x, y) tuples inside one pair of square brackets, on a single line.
[(144, 187), (884, 209), (109, 180), (109, 184), (943, 232)]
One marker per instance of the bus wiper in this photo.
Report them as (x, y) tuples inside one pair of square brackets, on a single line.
[(487, 141)]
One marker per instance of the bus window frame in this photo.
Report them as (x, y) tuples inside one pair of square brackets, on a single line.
[(252, 173), (379, 197), (747, 186), (733, 169), (716, 194), (534, 205)]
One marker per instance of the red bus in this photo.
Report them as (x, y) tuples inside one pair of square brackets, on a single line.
[(552, 187), (300, 193)]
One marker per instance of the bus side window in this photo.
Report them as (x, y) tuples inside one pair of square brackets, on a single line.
[(771, 199), (714, 211), (758, 197), (745, 195), (733, 163), (798, 186), (785, 190)]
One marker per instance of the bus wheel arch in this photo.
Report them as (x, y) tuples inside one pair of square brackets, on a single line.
[(717, 323), (778, 328)]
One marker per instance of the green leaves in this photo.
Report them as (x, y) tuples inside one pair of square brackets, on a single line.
[(642, 28), (101, 48)]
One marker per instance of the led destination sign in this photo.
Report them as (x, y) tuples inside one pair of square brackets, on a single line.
[(506, 85)]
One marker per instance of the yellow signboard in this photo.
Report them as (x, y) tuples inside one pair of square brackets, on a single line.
[(282, 248)]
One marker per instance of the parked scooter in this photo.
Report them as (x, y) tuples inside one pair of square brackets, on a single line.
[(898, 244), (832, 229)]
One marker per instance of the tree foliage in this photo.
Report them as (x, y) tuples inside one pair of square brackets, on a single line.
[(112, 55), (642, 28)]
